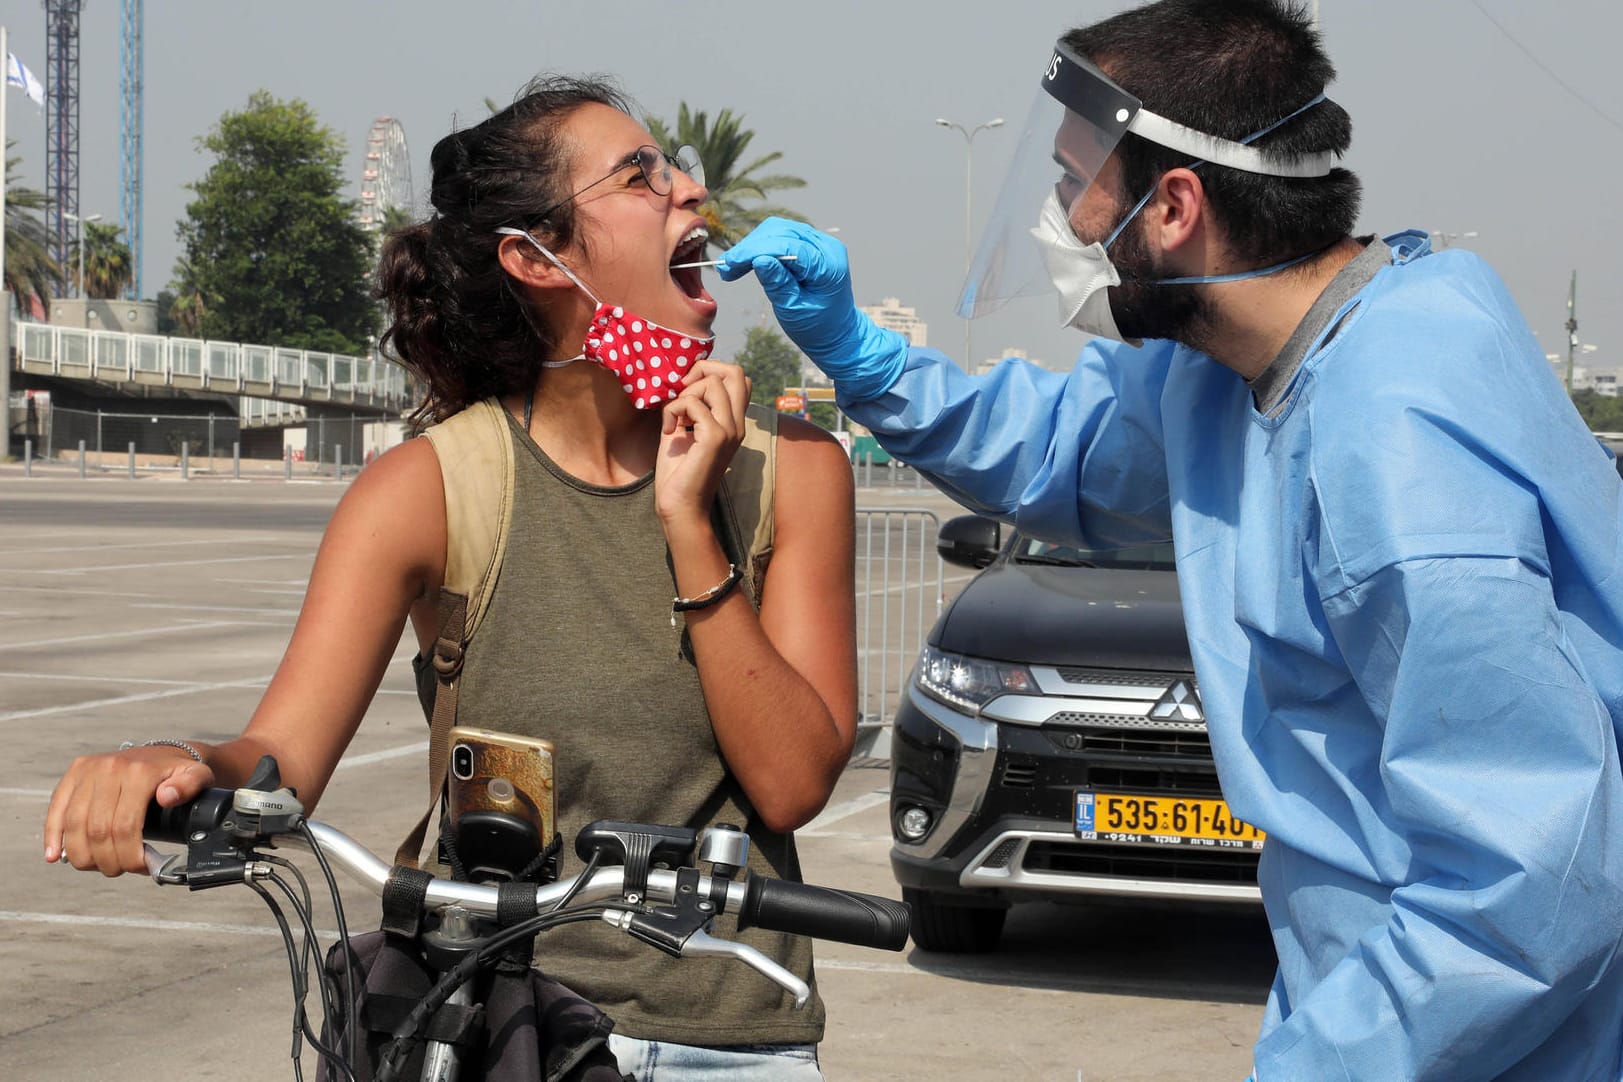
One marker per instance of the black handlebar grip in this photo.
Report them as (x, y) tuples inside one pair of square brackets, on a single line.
[(177, 824), (166, 824), (824, 912)]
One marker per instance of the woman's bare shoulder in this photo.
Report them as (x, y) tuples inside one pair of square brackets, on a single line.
[(808, 452)]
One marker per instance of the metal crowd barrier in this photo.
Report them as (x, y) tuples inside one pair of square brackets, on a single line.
[(900, 582)]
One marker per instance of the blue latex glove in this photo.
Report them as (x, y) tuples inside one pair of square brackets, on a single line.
[(812, 300)]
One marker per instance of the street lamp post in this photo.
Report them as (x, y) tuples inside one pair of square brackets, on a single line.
[(80, 229), (969, 165)]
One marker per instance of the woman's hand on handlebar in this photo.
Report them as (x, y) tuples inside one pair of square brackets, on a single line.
[(96, 812)]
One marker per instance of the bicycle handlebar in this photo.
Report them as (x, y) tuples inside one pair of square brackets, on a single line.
[(761, 902)]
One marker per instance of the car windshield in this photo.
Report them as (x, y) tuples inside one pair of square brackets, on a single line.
[(1029, 550)]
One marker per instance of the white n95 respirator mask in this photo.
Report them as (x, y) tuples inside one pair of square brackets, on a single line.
[(1082, 273)]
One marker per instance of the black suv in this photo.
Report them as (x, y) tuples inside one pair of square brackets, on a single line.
[(1051, 745)]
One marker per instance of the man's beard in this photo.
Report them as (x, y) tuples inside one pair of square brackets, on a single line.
[(1144, 309)]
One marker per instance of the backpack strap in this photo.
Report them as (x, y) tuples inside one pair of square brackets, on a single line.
[(746, 493), (475, 452)]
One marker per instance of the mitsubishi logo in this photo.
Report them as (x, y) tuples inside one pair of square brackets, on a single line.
[(1181, 702)]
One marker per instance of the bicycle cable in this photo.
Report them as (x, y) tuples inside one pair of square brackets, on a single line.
[(312, 942), (351, 1004), (305, 915), (299, 1034)]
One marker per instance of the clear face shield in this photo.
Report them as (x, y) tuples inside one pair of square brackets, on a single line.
[(1076, 122)]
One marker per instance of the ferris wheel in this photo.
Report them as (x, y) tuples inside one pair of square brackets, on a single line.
[(385, 173)]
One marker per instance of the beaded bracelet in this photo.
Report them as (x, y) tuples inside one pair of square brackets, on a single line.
[(709, 597), (163, 743)]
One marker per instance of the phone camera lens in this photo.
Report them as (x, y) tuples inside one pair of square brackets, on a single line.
[(462, 762)]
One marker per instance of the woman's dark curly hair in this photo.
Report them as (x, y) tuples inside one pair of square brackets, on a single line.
[(455, 321)]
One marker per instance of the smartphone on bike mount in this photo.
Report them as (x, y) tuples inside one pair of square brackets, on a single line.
[(499, 800)]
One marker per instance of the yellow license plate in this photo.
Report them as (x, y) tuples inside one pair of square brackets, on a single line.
[(1162, 820)]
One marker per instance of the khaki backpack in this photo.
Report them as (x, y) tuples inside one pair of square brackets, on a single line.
[(475, 452)]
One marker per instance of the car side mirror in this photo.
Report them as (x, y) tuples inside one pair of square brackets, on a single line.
[(969, 541)]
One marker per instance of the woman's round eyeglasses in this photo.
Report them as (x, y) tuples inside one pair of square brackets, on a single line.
[(655, 165)]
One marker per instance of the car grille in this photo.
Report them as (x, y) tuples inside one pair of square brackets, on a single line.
[(1140, 862), (1172, 743)]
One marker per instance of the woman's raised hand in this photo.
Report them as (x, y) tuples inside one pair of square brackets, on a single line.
[(96, 813), (703, 426)]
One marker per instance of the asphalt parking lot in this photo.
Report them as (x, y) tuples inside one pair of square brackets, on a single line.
[(138, 609)]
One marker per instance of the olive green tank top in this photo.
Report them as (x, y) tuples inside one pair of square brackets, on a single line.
[(577, 647)]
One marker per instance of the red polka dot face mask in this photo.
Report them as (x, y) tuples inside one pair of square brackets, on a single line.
[(651, 361)]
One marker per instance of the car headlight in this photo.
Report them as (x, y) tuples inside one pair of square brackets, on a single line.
[(969, 683)]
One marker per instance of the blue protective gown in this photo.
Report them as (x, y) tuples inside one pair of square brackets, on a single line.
[(1404, 599)]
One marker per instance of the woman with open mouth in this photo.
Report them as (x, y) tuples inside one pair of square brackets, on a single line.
[(684, 674)]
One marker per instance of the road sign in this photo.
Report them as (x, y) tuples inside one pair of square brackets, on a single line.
[(791, 403)]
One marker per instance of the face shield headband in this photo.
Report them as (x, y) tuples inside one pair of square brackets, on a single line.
[(1077, 120)]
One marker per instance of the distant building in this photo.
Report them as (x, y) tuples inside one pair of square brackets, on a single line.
[(1009, 354), (890, 315), (1603, 381)]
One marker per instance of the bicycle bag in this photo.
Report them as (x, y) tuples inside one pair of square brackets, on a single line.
[(475, 453), (525, 1027)]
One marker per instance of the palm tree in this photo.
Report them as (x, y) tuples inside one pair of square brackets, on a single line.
[(191, 304), (738, 195), (108, 267), (31, 274)]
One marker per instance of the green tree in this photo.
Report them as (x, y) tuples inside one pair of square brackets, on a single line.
[(825, 415), (396, 219), (771, 362), (738, 193), (276, 254), (108, 265), (31, 273), (1600, 412)]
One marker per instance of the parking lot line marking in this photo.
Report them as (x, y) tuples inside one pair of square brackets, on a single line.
[(215, 608), (68, 591), (380, 756), (256, 539), (845, 809), (16, 917), (119, 700), (302, 554), (68, 641), (77, 679), (41, 793), (1057, 984)]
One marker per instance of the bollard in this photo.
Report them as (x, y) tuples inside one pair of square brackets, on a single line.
[(867, 469), (287, 463), (236, 462), (81, 460), (185, 461), (132, 461), (338, 462), (28, 458), (918, 479)]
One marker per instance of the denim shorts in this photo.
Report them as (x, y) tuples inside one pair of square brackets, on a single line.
[(665, 1061)]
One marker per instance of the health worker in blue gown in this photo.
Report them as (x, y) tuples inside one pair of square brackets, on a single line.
[(1398, 547)]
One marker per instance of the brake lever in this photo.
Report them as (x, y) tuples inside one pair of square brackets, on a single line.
[(166, 871), (704, 945)]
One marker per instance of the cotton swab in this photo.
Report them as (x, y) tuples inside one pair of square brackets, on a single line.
[(717, 262)]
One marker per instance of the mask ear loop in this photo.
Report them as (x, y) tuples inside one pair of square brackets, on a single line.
[(510, 231)]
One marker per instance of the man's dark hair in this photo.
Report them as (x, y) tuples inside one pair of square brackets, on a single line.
[(1229, 69)]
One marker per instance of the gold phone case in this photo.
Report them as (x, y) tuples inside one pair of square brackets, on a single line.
[(501, 772)]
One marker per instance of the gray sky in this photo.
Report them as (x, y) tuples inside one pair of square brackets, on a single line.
[(1457, 128)]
